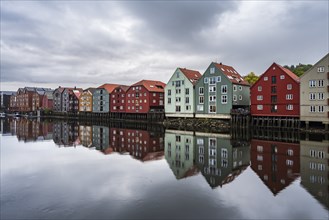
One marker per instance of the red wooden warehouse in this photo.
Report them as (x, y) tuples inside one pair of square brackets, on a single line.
[(118, 99), (276, 93), (145, 96)]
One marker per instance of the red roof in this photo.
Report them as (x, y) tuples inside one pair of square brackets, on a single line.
[(192, 75), (151, 85), (289, 73), (231, 74), (108, 87), (123, 87)]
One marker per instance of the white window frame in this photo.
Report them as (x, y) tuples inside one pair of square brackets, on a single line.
[(212, 70), (224, 99), (289, 86), (259, 107), (200, 90), (221, 89)]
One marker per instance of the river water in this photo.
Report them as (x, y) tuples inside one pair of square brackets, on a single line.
[(75, 170)]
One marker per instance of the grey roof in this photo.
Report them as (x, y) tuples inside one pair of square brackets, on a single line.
[(7, 92), (49, 94)]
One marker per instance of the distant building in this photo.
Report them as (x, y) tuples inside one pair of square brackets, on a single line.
[(276, 93), (47, 100), (5, 99), (219, 90), (28, 99), (145, 96), (66, 99), (102, 98), (314, 93), (180, 93), (86, 100), (118, 100)]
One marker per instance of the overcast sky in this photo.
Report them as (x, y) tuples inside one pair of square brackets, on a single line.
[(85, 43)]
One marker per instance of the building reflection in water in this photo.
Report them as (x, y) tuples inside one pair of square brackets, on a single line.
[(27, 130), (65, 133), (277, 158), (276, 163), (219, 158), (143, 145), (86, 135), (314, 169)]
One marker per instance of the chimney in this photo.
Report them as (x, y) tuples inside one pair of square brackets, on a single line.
[(220, 63)]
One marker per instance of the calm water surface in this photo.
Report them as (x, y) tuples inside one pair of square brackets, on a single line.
[(66, 170)]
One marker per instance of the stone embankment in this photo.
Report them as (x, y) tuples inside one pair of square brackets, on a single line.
[(207, 125)]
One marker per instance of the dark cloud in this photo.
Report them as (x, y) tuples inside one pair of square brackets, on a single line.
[(123, 42)]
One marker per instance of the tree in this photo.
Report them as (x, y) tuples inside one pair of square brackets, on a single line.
[(251, 78), (299, 69)]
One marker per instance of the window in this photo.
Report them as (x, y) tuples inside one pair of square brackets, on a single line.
[(154, 94), (259, 107), (281, 76), (321, 83), (212, 70), (274, 108), (218, 79), (212, 88), (240, 97), (187, 100), (289, 162), (178, 91), (321, 108), (289, 86), (290, 152), (212, 108), (212, 98), (321, 96), (289, 107), (224, 153), (235, 88), (260, 88), (274, 99), (177, 108), (201, 91), (312, 108), (224, 89), (312, 83), (177, 99), (173, 83), (321, 69), (259, 97), (177, 74), (235, 98), (265, 78), (205, 80), (201, 99), (188, 107), (169, 91), (289, 97), (259, 157), (177, 138), (169, 100), (240, 88), (273, 79), (312, 96), (259, 148), (212, 80), (224, 99), (273, 89), (199, 141), (187, 91)]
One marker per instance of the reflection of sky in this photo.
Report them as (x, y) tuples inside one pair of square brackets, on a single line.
[(40, 180)]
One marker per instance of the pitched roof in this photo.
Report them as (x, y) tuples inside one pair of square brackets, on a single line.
[(109, 87), (151, 85), (231, 74), (289, 73), (124, 87), (49, 94), (90, 89), (192, 75)]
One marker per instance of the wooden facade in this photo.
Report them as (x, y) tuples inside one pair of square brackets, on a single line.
[(276, 93), (145, 96)]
